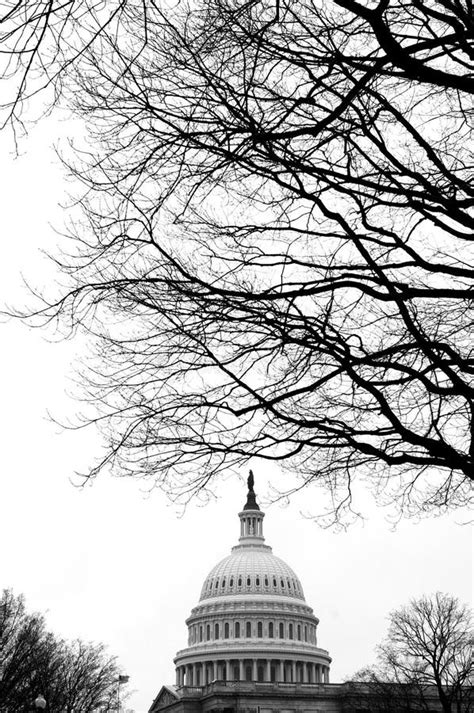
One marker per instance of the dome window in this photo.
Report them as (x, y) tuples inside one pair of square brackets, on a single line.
[(260, 630), (216, 631), (306, 633), (217, 583), (240, 582), (289, 584), (248, 629), (226, 630), (257, 580), (282, 583), (237, 630), (223, 583), (248, 581), (266, 581), (290, 631), (208, 632), (281, 630), (231, 583), (270, 630), (274, 582), (298, 634), (200, 633)]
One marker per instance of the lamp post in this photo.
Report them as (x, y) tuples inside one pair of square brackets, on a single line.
[(120, 681)]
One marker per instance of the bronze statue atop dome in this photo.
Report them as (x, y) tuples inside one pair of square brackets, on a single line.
[(250, 481), (251, 503)]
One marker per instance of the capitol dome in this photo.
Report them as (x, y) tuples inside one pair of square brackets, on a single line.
[(252, 622), (251, 571)]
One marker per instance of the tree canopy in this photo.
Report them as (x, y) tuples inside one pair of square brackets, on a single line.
[(71, 676), (426, 657), (274, 249)]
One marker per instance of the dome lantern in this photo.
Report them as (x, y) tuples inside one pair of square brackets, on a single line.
[(251, 518)]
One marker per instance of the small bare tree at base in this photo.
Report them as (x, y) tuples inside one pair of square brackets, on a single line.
[(426, 661), (274, 253), (71, 676)]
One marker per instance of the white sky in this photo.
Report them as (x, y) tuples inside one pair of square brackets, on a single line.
[(109, 563)]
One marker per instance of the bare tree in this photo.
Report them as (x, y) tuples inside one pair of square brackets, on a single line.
[(275, 250), (21, 636), (74, 675), (426, 658)]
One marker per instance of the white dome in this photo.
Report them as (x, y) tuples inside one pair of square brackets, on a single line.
[(252, 622), (251, 570)]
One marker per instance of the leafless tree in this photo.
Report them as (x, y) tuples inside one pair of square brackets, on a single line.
[(74, 675), (426, 658), (275, 249), (21, 635)]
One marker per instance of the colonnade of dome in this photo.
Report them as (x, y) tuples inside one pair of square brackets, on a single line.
[(252, 622), (252, 669)]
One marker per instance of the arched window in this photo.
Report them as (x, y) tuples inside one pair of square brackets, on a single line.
[(231, 583), (274, 581), (282, 583), (240, 582), (282, 630), (248, 630), (270, 630), (223, 583), (290, 631), (289, 584), (216, 631), (208, 632), (259, 629), (200, 633), (217, 583), (306, 633), (266, 581), (257, 580), (226, 630), (298, 634), (248, 581), (237, 630)]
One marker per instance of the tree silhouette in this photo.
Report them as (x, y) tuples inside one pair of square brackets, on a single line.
[(425, 660), (73, 675), (274, 253)]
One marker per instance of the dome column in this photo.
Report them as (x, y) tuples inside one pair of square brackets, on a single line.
[(268, 675), (293, 671), (241, 670), (254, 670), (281, 672)]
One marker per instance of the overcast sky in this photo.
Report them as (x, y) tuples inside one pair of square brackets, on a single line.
[(111, 562)]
